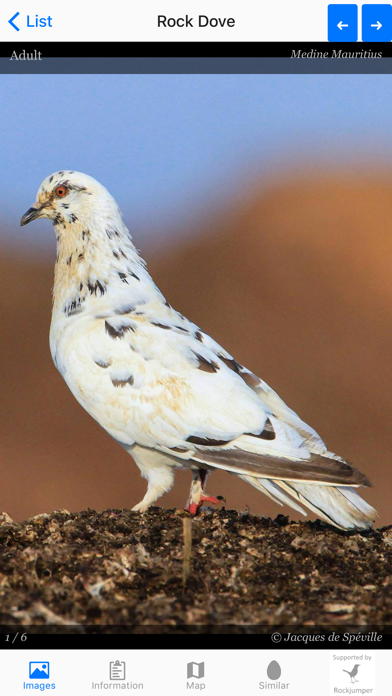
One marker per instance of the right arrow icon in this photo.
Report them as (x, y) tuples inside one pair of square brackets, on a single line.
[(377, 23)]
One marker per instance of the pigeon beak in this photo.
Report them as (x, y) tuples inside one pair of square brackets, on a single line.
[(32, 213)]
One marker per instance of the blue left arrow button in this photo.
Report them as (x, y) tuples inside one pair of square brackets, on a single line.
[(11, 21), (342, 23)]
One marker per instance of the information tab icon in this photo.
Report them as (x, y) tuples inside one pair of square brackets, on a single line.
[(117, 670)]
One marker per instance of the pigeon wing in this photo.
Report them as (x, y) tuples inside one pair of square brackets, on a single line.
[(162, 383)]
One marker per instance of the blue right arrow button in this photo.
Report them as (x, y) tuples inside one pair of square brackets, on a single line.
[(377, 23)]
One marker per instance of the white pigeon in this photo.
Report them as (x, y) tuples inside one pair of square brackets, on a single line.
[(166, 391)]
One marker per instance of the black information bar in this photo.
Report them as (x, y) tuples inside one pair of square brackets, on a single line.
[(196, 49), (195, 58), (243, 637)]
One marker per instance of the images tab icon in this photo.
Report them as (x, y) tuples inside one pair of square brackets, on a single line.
[(38, 670)]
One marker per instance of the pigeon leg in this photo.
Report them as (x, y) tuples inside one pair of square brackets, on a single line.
[(159, 474), (196, 494)]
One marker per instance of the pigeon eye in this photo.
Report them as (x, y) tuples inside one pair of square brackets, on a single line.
[(61, 191)]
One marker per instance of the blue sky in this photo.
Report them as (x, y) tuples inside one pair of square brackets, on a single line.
[(169, 147)]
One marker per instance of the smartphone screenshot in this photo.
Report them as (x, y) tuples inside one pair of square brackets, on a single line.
[(196, 331)]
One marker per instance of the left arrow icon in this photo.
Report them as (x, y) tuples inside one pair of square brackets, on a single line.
[(11, 21), (341, 25)]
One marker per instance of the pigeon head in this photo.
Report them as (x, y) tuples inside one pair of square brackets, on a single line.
[(95, 252), (67, 197)]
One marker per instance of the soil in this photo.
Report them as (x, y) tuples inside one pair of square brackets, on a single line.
[(119, 568)]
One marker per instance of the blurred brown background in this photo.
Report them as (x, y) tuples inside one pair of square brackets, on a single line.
[(295, 281)]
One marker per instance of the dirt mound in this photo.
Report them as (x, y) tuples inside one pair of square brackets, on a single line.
[(118, 568)]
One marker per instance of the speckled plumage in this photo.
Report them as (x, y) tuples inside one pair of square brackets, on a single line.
[(167, 392)]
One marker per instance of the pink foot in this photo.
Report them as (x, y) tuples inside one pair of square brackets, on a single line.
[(193, 508)]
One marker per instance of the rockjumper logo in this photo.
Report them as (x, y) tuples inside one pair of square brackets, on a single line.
[(353, 673)]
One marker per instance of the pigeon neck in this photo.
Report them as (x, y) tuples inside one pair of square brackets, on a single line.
[(95, 265)]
